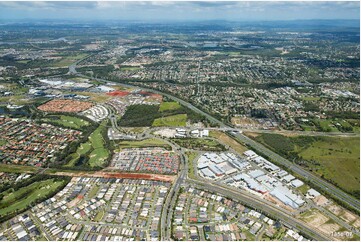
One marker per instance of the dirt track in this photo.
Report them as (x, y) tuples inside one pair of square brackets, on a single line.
[(102, 174)]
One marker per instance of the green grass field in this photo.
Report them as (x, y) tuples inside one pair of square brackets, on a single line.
[(17, 168), (339, 159), (335, 158), (94, 190), (153, 142), (99, 153), (326, 125), (99, 215), (68, 60), (191, 155), (164, 106), (2, 142), (23, 197), (67, 121), (332, 125), (310, 98), (172, 121), (98, 156), (82, 150), (129, 68)]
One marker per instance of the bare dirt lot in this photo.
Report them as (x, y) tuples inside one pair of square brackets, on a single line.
[(245, 122), (348, 216), (145, 176), (335, 209), (317, 220), (321, 200)]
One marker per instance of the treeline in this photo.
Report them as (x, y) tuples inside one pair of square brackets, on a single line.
[(100, 71), (142, 115), (343, 115), (29, 64), (139, 115), (82, 162), (63, 157), (285, 146), (192, 143), (195, 117)]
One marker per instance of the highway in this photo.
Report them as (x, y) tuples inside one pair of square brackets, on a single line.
[(316, 181), (272, 211)]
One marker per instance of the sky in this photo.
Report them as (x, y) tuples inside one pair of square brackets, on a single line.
[(179, 10)]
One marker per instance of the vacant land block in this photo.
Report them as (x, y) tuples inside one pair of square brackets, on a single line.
[(225, 139), (334, 158), (169, 106), (173, 121)]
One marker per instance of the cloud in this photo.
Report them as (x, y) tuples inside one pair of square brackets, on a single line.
[(49, 5), (191, 10)]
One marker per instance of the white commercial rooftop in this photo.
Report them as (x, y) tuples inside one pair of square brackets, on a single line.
[(287, 197), (312, 192), (208, 173), (296, 183), (250, 153), (288, 178), (256, 173)]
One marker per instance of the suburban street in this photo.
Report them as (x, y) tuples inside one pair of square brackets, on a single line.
[(316, 181), (245, 198), (272, 211)]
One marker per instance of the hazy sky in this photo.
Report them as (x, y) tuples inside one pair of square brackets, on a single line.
[(176, 10)]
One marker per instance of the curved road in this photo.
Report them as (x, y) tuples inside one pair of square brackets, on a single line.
[(316, 181), (272, 210)]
